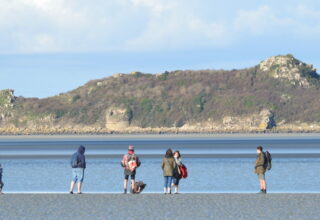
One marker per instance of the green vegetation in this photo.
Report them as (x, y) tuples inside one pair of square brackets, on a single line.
[(146, 105), (75, 98), (198, 102), (174, 98), (164, 76)]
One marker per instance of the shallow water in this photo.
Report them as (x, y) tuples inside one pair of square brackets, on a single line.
[(205, 175), (214, 165)]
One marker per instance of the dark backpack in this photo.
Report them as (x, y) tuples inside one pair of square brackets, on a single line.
[(74, 160), (267, 160)]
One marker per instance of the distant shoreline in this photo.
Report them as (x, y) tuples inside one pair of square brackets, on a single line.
[(166, 136)]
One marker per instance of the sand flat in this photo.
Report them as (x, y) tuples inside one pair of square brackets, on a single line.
[(159, 206)]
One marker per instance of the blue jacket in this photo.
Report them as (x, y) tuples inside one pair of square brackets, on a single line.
[(81, 158)]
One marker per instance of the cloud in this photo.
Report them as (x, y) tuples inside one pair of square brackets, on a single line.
[(31, 26)]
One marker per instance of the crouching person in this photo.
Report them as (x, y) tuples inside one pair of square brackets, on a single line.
[(260, 169)]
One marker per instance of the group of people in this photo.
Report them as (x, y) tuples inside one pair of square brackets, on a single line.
[(130, 162), (171, 166), (171, 172)]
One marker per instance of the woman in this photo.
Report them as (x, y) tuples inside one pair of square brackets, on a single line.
[(176, 175), (168, 167)]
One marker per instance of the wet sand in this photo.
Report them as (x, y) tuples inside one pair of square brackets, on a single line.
[(159, 206)]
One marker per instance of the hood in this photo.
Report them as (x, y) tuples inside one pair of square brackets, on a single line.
[(81, 149)]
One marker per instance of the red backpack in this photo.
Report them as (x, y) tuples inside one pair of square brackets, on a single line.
[(183, 171)]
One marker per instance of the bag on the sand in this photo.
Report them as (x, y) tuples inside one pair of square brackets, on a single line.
[(183, 171), (267, 160), (139, 187), (74, 160)]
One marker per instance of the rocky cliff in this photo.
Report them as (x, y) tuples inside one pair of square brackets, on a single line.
[(281, 94)]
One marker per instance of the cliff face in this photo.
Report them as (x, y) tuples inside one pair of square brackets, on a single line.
[(290, 69), (279, 94), (7, 101)]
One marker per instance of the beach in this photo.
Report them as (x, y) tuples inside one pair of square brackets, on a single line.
[(159, 206)]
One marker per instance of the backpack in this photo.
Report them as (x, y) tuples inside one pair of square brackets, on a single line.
[(183, 171), (74, 160), (267, 160), (132, 162)]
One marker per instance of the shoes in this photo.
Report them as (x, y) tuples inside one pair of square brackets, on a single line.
[(124, 191), (71, 192)]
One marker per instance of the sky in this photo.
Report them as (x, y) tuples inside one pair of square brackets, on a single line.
[(52, 46)]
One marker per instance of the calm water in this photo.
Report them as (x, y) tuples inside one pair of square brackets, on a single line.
[(214, 165)]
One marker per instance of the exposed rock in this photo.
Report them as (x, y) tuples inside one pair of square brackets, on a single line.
[(262, 121), (117, 118), (7, 98), (287, 67)]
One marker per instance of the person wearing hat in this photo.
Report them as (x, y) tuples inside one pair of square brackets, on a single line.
[(130, 162)]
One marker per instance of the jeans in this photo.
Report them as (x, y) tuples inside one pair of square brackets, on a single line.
[(176, 181), (167, 181), (77, 174)]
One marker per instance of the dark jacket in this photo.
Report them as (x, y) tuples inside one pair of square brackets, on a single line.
[(168, 166), (81, 158), (259, 167)]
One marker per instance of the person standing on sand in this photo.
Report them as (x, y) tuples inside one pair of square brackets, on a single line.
[(168, 166), (177, 174), (260, 169), (78, 164), (130, 162), (1, 183)]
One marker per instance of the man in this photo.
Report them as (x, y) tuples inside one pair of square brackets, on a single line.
[(260, 169), (130, 162), (78, 164), (1, 183)]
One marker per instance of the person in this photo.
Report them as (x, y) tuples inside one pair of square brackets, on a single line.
[(177, 174), (78, 164), (260, 169), (1, 183), (168, 167), (139, 187), (130, 162)]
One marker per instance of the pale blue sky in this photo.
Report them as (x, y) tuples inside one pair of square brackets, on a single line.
[(53, 46)]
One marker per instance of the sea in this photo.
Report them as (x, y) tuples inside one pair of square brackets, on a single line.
[(215, 163)]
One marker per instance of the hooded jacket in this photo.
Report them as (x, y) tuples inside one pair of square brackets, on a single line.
[(81, 158)]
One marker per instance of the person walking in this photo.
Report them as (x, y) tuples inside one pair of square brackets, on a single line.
[(168, 166), (177, 173), (1, 182), (130, 162), (260, 169), (78, 164)]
